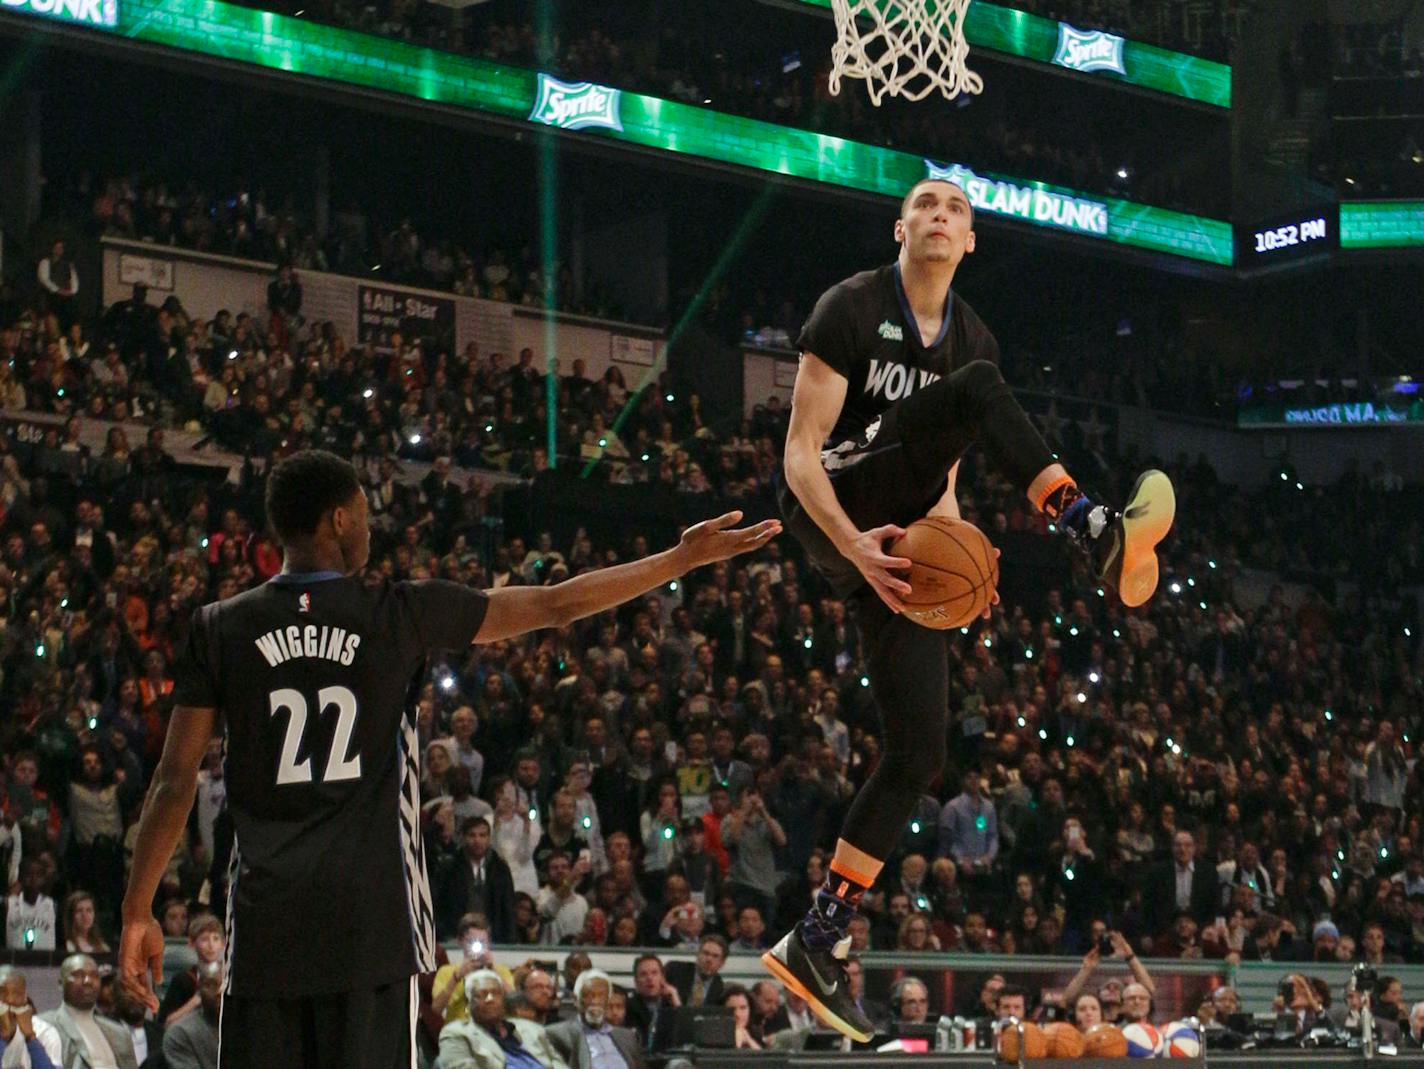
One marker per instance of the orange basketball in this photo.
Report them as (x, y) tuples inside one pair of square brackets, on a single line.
[(1035, 1043), (1104, 1041), (953, 575), (1064, 1041)]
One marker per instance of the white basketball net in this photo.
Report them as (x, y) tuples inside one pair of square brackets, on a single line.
[(904, 48)]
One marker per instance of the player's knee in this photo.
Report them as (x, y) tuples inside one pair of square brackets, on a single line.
[(982, 375)]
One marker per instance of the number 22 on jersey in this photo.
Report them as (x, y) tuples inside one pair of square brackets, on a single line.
[(341, 764)]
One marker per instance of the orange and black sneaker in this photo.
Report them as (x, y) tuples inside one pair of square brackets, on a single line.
[(819, 976), (1123, 544)]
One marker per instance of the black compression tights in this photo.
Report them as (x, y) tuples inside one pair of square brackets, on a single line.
[(909, 676)]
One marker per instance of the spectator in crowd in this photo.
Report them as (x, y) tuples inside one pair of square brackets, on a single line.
[(1010, 1000), (1415, 1038), (145, 1033), (1121, 951), (20, 1025), (59, 279), (490, 1038), (479, 883), (969, 831), (652, 1006), (751, 834), (29, 915), (1180, 884), (765, 998), (699, 983), (1136, 1003), (910, 999), (736, 998), (589, 1041), (85, 1037), (448, 988), (1346, 1015), (562, 908), (1299, 998), (184, 995), (81, 929), (192, 1042), (876, 1012)]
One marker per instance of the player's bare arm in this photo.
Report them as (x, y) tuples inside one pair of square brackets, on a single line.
[(516, 610), (163, 823), (816, 404)]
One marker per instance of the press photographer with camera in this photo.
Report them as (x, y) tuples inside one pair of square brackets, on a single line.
[(1113, 945), (1352, 1015), (1296, 995)]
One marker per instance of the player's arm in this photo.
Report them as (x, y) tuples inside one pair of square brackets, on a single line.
[(948, 504), (163, 823), (513, 610), (815, 406)]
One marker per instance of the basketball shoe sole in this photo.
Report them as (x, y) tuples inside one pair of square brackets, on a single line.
[(1131, 562), (819, 977)]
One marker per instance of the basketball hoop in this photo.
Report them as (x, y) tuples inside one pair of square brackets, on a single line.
[(904, 48)]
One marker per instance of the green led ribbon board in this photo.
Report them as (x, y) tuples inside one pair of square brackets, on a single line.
[(1387, 224), (1028, 36), (223, 30), (1345, 414)]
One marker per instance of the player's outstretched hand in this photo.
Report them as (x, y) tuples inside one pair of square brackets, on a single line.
[(141, 960), (716, 539), (867, 552)]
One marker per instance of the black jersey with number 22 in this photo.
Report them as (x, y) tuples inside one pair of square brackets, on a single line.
[(311, 676)]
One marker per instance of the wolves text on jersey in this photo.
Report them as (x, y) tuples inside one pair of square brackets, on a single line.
[(287, 643), (896, 380)]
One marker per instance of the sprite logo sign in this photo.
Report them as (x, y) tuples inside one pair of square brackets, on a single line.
[(88, 12), (576, 105), (1089, 52), (1026, 203)]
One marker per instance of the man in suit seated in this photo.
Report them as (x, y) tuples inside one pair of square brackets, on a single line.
[(589, 1040), (698, 983), (877, 1012), (490, 1040), (86, 1039), (653, 1005)]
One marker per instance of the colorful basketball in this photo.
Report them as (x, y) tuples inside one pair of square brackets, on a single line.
[(1064, 1041), (1143, 1040), (1182, 1040), (1034, 1042), (1104, 1041), (954, 573)]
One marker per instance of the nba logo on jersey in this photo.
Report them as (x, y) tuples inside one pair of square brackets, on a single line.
[(304, 603)]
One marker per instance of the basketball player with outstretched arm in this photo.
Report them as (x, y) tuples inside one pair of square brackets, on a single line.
[(898, 378), (329, 914)]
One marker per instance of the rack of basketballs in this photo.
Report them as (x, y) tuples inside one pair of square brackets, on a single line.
[(1021, 1041)]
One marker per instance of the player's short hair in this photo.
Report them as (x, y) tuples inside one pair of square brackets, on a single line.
[(905, 201), (304, 488)]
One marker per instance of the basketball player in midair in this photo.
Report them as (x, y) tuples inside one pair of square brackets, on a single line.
[(329, 913), (898, 378)]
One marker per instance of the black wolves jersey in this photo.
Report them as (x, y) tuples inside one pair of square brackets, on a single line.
[(311, 674), (864, 329)]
